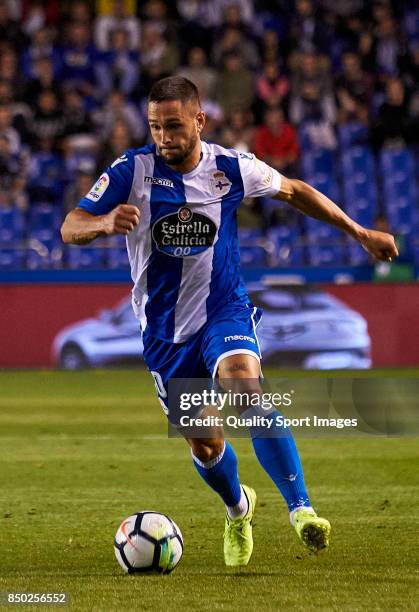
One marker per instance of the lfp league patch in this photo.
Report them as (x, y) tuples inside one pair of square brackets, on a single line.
[(98, 188)]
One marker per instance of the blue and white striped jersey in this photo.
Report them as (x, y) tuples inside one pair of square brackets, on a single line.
[(184, 253)]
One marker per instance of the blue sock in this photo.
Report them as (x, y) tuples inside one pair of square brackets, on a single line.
[(278, 455), (221, 475)]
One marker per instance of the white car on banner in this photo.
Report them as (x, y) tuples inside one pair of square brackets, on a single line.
[(300, 327)]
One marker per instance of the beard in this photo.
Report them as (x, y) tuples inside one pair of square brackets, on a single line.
[(179, 155)]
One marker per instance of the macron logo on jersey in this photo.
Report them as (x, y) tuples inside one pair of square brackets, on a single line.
[(158, 181), (239, 337)]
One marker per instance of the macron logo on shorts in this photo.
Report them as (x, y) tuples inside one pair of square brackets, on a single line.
[(238, 337)]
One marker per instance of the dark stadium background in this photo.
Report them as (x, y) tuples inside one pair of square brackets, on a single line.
[(326, 91)]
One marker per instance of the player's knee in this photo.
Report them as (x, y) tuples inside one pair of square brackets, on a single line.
[(206, 450), (239, 367)]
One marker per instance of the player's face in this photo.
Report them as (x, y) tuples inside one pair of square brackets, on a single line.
[(175, 128)]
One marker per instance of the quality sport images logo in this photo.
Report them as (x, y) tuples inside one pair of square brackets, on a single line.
[(184, 233)]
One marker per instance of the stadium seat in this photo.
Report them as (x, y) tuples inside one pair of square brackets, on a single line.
[(357, 160), (38, 254), (288, 249), (326, 254), (12, 224), (317, 162), (360, 198), (352, 134), (253, 256), (317, 230), (90, 257), (326, 183), (357, 256), (116, 254), (397, 163), (249, 233), (11, 259), (44, 221)]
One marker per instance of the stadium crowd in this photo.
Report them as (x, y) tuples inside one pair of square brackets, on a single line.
[(300, 83)]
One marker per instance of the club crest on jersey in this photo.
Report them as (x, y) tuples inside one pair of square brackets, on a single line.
[(183, 233), (220, 185), (99, 188)]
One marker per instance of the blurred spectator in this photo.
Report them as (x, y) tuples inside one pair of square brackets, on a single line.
[(194, 25), (220, 11), (342, 8), (118, 108), (78, 10), (35, 17), (367, 50), (214, 117), (76, 118), (119, 141), (233, 41), (388, 48), (276, 142), (10, 30), (41, 47), (156, 12), (199, 72), (45, 173), (47, 121), (118, 19), (77, 189), (12, 175), (156, 50), (119, 67), (234, 85), (272, 87), (78, 58), (354, 90), (271, 46), (9, 71), (8, 131), (43, 78), (238, 132), (308, 32), (393, 124), (311, 97)]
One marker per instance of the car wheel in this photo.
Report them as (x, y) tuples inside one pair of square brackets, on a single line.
[(72, 358)]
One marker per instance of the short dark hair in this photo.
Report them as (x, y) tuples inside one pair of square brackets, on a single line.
[(174, 88)]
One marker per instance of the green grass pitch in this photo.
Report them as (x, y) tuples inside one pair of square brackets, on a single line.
[(81, 451)]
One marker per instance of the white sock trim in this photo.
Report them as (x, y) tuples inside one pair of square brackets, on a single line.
[(209, 464), (241, 509), (306, 508)]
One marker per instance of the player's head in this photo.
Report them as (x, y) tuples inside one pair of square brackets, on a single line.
[(175, 118)]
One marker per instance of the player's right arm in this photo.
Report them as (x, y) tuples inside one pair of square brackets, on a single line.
[(81, 227), (103, 211)]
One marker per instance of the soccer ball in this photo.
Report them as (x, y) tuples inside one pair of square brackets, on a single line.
[(148, 542)]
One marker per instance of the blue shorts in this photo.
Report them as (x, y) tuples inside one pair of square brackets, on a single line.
[(231, 331)]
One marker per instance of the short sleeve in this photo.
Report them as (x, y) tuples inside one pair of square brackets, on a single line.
[(259, 179), (111, 188)]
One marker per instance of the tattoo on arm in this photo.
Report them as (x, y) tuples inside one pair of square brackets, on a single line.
[(79, 239)]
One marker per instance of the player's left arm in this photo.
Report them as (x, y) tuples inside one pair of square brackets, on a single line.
[(311, 202)]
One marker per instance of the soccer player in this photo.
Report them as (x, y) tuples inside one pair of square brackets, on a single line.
[(176, 202)]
